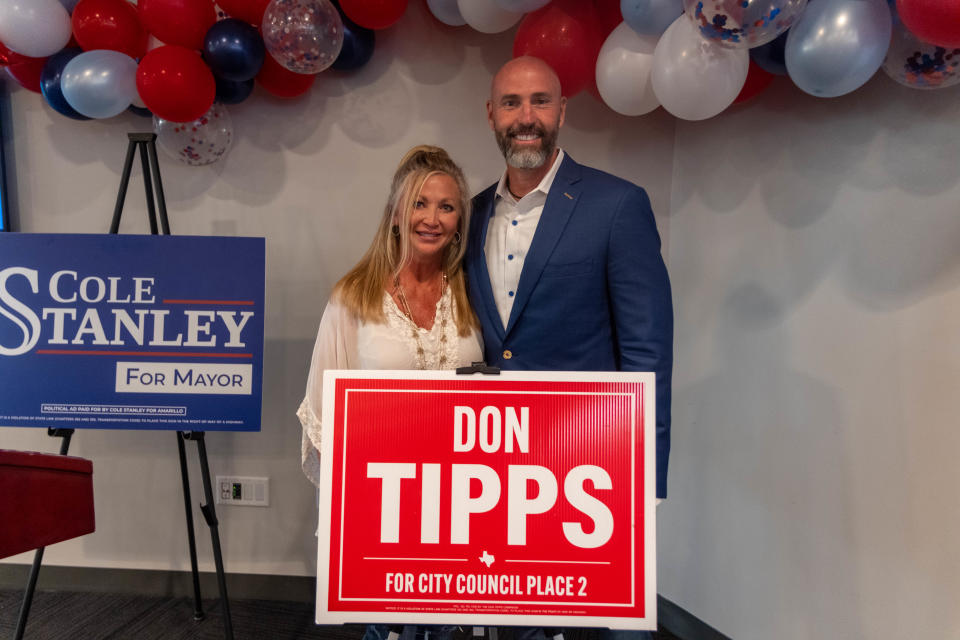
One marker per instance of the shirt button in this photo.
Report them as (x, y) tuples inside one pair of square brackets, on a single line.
[(510, 257), (514, 223), (510, 293), (507, 354)]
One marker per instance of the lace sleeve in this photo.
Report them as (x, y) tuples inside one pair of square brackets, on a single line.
[(334, 349), (309, 442)]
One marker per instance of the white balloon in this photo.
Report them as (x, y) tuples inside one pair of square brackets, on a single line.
[(447, 12), (694, 78), (486, 16), (34, 28), (624, 69)]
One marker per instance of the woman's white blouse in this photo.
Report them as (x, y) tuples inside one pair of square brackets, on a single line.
[(345, 342)]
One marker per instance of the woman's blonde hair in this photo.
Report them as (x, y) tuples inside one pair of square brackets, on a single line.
[(361, 290)]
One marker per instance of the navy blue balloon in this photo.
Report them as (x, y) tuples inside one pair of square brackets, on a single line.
[(50, 82), (357, 44), (771, 57), (233, 49), (143, 112), (230, 92)]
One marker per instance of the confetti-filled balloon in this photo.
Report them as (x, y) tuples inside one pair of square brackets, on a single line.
[(918, 64), (741, 24), (202, 141), (305, 36)]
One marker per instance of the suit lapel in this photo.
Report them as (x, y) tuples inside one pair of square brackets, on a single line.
[(561, 201), (478, 263)]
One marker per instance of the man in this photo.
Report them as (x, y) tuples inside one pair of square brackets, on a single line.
[(563, 260)]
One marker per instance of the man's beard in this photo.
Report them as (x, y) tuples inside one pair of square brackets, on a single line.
[(526, 157)]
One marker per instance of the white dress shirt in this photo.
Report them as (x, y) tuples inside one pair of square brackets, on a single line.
[(509, 235)]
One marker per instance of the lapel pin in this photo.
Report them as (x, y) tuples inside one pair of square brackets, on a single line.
[(568, 195)]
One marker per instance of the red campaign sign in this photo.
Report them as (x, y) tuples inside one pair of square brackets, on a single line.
[(525, 498)]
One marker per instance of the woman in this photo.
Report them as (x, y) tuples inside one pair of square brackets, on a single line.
[(404, 306)]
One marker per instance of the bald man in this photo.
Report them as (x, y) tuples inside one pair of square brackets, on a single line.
[(563, 261)]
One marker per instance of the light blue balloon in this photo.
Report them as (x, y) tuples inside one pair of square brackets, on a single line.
[(521, 6), (69, 4), (650, 17), (100, 83), (837, 45), (447, 12)]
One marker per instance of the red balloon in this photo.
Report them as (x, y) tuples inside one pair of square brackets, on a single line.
[(182, 22), (609, 18), (933, 21), (566, 34), (247, 10), (10, 57), (609, 15), (109, 24), (757, 80), (175, 84), (374, 14), (282, 82), (26, 70)]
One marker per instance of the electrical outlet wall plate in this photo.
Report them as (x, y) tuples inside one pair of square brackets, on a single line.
[(242, 490)]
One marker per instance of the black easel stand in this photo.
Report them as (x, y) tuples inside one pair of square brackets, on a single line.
[(146, 143)]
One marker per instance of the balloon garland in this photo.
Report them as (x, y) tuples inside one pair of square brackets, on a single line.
[(182, 61)]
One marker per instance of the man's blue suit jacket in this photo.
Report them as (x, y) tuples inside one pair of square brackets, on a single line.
[(593, 294)]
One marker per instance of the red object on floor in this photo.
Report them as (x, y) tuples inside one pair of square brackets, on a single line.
[(44, 499)]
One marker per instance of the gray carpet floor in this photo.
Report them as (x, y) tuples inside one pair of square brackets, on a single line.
[(65, 615), (68, 615)]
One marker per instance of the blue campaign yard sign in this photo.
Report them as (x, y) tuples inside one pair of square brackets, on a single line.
[(131, 332)]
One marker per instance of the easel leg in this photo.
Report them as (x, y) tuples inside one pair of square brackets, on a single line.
[(161, 200), (148, 187), (124, 181), (28, 596), (66, 434), (211, 516), (191, 540)]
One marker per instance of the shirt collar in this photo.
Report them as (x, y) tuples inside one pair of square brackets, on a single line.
[(544, 186)]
